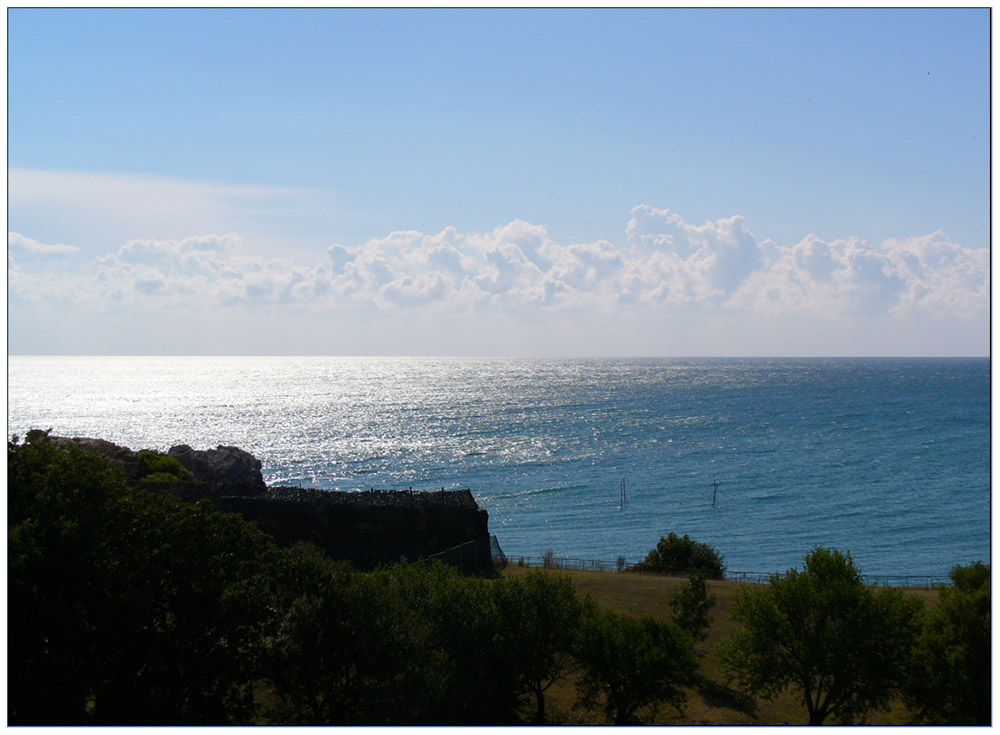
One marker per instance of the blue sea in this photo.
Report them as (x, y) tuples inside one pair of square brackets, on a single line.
[(886, 458)]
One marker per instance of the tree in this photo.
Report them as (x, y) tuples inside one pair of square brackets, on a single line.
[(483, 653), (187, 616), (823, 632), (675, 553), (126, 607), (690, 607), (950, 676), (543, 614), (632, 663), (56, 524)]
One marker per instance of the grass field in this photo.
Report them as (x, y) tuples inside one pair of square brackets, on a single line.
[(712, 704)]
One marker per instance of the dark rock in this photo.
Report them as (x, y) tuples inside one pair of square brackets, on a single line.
[(366, 528), (224, 465)]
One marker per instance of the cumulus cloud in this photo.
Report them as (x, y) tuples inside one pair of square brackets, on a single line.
[(664, 266), (199, 271)]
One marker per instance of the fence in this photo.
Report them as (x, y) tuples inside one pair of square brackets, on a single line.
[(474, 556), (549, 561)]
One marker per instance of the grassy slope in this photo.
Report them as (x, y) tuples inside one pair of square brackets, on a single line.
[(642, 594)]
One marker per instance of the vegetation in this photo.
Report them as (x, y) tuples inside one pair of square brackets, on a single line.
[(632, 663), (950, 671), (132, 608), (545, 614), (126, 607), (681, 554), (158, 467), (690, 607), (842, 645)]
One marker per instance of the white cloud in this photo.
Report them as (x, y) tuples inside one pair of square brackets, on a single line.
[(18, 241), (665, 268), (96, 210), (921, 276)]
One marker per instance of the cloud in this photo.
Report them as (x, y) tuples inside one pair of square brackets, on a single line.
[(203, 271), (665, 266), (95, 209), (18, 241), (919, 276), (675, 262)]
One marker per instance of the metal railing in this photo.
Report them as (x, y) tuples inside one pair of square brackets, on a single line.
[(472, 557), (550, 561)]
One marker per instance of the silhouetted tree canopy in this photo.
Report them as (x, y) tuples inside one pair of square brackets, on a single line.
[(126, 607), (633, 663), (950, 681)]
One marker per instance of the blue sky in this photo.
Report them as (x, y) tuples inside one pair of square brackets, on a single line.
[(567, 182)]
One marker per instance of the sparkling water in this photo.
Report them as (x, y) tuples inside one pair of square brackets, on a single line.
[(886, 458)]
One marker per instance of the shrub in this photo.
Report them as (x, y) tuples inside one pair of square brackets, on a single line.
[(157, 467), (675, 554)]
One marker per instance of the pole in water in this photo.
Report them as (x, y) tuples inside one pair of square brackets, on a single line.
[(621, 497), (715, 491)]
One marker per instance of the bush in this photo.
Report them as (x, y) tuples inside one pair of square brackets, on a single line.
[(156, 467), (680, 554)]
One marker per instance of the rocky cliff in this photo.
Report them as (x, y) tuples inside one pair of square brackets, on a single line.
[(366, 528)]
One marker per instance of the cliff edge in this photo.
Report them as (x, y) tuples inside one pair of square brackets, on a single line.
[(367, 528)]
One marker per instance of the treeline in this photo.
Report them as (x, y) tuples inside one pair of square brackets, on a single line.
[(132, 608)]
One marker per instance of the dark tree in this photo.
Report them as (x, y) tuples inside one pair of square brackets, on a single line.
[(950, 682), (56, 527), (690, 607), (355, 648), (842, 645), (543, 614), (125, 607), (681, 554), (633, 663)]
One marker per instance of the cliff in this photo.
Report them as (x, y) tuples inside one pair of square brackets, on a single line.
[(367, 528)]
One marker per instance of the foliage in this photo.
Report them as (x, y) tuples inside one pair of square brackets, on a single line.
[(950, 675), (691, 605), (157, 467), (128, 607), (475, 631), (822, 631), (351, 647), (633, 663), (125, 607), (675, 553), (542, 613), (55, 532)]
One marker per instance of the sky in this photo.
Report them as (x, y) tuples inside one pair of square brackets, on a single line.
[(508, 182)]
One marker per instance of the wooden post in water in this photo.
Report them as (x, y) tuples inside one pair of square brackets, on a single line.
[(715, 491), (621, 499)]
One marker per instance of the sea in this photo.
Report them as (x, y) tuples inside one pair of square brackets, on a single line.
[(590, 459)]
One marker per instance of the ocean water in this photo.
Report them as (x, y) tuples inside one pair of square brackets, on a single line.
[(886, 458)]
